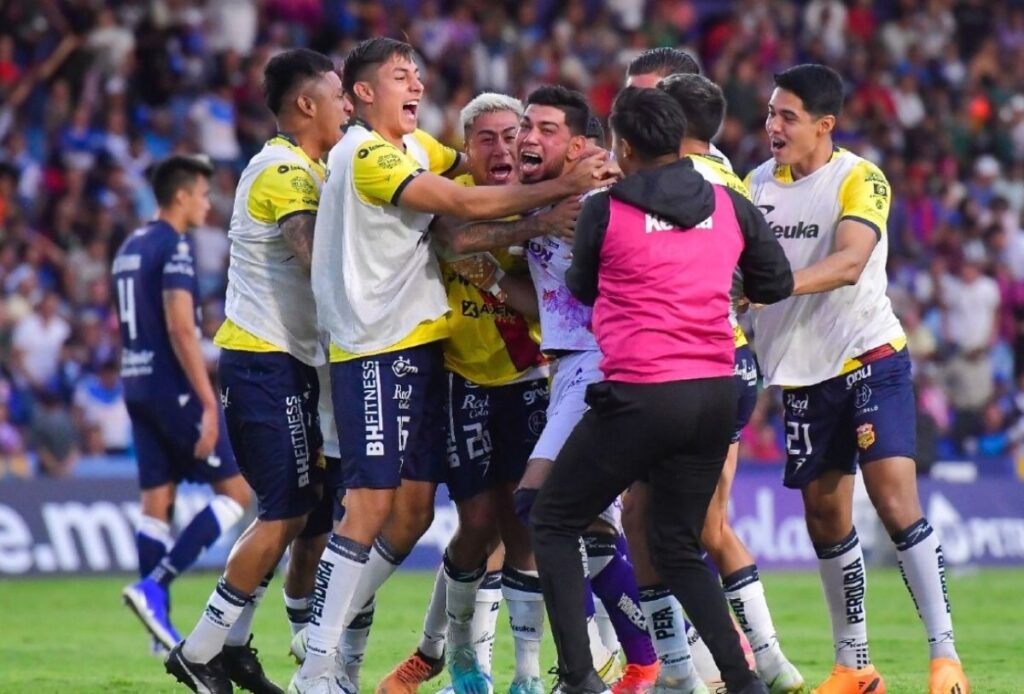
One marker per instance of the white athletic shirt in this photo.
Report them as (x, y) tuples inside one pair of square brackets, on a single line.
[(809, 339)]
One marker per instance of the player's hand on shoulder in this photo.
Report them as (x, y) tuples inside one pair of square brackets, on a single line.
[(207, 434), (560, 220)]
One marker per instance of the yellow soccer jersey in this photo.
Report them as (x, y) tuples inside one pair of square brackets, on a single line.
[(714, 168), (278, 192), (380, 171), (490, 344)]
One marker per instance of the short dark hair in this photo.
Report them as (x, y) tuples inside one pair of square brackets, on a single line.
[(177, 172), (287, 70), (702, 102), (371, 53), (595, 131), (819, 87), (650, 120), (568, 101), (663, 61)]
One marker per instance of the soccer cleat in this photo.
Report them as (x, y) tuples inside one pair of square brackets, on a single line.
[(148, 600), (610, 670), (848, 680), (409, 674), (467, 677), (637, 679), (946, 676), (527, 685), (243, 668), (782, 677), (674, 685), (592, 684), (326, 683), (203, 678), (297, 647)]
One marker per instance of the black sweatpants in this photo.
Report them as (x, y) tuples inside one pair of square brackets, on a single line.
[(676, 436)]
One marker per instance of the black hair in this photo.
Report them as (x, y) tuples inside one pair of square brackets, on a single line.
[(650, 120), (595, 131), (287, 70), (371, 53), (568, 101), (819, 87), (702, 102), (177, 172), (663, 61)]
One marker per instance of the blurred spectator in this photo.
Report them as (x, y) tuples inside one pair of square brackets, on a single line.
[(53, 436), (99, 402), (37, 342), (13, 460)]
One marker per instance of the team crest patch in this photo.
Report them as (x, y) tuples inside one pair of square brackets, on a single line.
[(865, 436)]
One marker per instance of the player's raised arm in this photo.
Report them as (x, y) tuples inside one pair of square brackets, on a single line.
[(767, 277), (460, 238)]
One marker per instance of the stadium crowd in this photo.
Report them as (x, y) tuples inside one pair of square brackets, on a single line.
[(92, 93)]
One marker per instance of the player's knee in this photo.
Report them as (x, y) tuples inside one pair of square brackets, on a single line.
[(826, 522)]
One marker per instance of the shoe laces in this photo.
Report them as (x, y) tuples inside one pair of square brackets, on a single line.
[(414, 669), (635, 678)]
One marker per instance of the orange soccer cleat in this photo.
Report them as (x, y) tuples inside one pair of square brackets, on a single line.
[(409, 674), (946, 676), (637, 679), (848, 680)]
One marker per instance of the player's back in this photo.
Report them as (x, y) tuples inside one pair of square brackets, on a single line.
[(153, 259)]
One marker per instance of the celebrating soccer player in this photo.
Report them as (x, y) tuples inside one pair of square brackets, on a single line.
[(840, 353), (380, 295), (270, 350)]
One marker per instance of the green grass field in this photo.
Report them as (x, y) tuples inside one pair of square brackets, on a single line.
[(74, 635)]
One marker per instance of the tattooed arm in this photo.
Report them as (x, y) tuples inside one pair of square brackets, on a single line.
[(462, 238), (297, 230)]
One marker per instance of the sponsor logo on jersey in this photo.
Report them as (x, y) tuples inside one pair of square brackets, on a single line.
[(373, 415), (862, 397), (857, 376), (403, 396), (798, 231), (403, 366), (296, 420), (797, 406)]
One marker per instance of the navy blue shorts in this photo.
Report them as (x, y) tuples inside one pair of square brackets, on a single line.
[(165, 433), (389, 409), (270, 403), (746, 388), (328, 510), (865, 415), (491, 431)]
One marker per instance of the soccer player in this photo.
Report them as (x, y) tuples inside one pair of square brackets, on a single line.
[(554, 130), (840, 353), (176, 418), (703, 104), (380, 295), (271, 347), (662, 245), (497, 395)]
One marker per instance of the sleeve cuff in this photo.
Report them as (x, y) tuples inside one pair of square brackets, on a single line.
[(866, 222), (401, 186), (455, 164), (295, 213)]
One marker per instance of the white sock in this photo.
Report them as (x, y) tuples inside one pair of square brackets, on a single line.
[(383, 562), (599, 653), (435, 623), (485, 619), (522, 593), (337, 577), (924, 572), (298, 612), (222, 611), (240, 631), (605, 629), (667, 626), (460, 596), (845, 582), (226, 510), (353, 642), (703, 662), (745, 593)]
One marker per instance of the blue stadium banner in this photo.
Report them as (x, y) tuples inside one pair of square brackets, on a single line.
[(82, 526)]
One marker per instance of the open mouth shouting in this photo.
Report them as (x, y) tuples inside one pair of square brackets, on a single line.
[(530, 163), (411, 108), (500, 173), (777, 144)]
